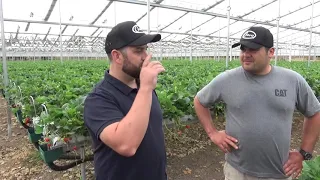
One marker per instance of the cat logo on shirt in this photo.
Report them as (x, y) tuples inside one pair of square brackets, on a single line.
[(280, 92)]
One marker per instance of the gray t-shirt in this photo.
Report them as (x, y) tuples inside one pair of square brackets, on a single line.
[(259, 113)]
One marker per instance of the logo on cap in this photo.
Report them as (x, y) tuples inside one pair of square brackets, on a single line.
[(136, 29), (249, 35)]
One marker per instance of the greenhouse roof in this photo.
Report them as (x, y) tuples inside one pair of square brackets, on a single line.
[(85, 24)]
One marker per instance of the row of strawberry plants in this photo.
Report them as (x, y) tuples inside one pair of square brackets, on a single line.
[(60, 88), (63, 87)]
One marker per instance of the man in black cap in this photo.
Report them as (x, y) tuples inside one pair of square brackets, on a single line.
[(123, 114), (260, 101)]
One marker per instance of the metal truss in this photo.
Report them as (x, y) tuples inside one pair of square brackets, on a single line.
[(48, 42)]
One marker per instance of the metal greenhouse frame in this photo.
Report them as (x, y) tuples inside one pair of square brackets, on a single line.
[(190, 29)]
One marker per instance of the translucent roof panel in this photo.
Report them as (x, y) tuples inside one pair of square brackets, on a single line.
[(174, 19), (188, 22), (28, 10), (42, 28), (134, 11), (158, 19), (307, 24), (191, 4), (178, 37), (76, 11), (12, 27), (240, 8), (302, 17)]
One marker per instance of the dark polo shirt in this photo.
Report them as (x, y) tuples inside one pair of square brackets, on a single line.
[(109, 102)]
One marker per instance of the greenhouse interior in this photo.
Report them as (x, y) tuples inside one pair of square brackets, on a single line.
[(53, 54)]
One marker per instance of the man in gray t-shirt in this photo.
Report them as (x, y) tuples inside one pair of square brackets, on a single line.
[(260, 100)]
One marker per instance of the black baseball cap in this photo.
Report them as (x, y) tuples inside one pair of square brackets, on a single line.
[(128, 33), (256, 37)]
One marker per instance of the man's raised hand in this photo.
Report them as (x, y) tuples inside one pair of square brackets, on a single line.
[(149, 73)]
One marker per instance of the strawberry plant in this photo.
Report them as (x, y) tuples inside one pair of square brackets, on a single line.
[(62, 88), (311, 170)]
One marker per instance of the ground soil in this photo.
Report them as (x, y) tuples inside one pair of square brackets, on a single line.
[(191, 155)]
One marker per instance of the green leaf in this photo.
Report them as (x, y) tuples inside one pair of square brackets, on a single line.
[(38, 130)]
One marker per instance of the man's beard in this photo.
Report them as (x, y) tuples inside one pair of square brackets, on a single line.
[(131, 69)]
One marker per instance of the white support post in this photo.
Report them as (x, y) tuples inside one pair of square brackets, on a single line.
[(83, 165), (290, 58), (5, 68), (191, 38), (148, 14), (309, 57), (278, 19), (230, 54), (158, 30), (218, 47), (227, 55), (161, 51), (60, 31)]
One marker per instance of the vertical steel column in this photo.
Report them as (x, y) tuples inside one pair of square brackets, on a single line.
[(34, 49), (278, 19), (218, 47), (161, 51), (191, 38), (215, 52), (148, 14), (310, 33), (227, 56), (231, 54), (60, 31), (5, 68), (79, 48), (290, 57), (157, 32), (83, 166), (314, 53)]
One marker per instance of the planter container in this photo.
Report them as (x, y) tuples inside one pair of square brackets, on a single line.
[(51, 155), (33, 137), (19, 116)]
